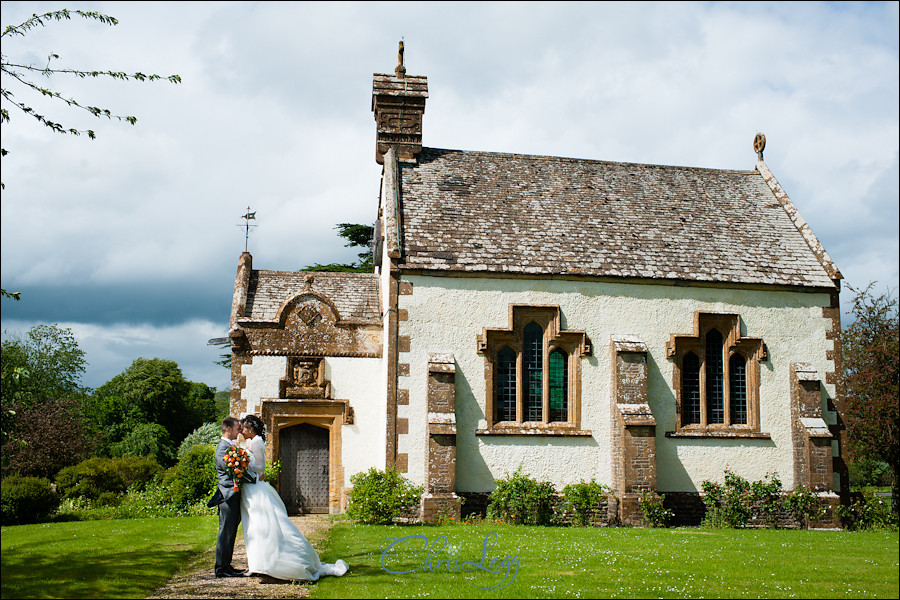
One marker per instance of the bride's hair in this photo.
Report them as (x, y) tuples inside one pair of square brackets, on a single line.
[(256, 424)]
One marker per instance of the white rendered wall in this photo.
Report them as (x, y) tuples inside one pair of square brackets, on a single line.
[(447, 313), (359, 380)]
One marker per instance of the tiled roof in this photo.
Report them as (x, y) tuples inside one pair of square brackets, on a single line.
[(354, 295), (509, 213)]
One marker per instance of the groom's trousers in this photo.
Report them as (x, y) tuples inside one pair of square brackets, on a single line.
[(229, 519)]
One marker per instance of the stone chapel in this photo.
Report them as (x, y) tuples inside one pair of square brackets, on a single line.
[(648, 326)]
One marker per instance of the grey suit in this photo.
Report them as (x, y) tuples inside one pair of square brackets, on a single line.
[(229, 503)]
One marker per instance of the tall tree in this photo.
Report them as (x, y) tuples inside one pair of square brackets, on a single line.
[(871, 346), (357, 236), (150, 391)]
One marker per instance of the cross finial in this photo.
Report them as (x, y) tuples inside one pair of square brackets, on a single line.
[(759, 144), (400, 70)]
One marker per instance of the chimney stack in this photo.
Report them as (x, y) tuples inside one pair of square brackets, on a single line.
[(398, 102)]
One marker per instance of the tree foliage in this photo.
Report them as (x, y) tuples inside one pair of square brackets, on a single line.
[(151, 391), (49, 436), (871, 346), (357, 236), (22, 75)]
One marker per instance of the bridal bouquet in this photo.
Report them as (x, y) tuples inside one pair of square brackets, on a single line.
[(237, 460)]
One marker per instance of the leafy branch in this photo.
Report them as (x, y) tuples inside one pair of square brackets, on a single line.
[(20, 73)]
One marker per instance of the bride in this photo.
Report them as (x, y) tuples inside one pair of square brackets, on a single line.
[(275, 546)]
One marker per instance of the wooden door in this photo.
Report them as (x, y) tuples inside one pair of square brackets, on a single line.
[(303, 482)]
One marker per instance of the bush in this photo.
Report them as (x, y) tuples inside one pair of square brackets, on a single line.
[(208, 433), (653, 510), (96, 479), (727, 505), (273, 470), (378, 497), (765, 499), (146, 439), (137, 471), (583, 501), (194, 478), (803, 505), (521, 500), (27, 500), (867, 511)]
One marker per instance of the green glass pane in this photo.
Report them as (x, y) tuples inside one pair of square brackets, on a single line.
[(557, 380)]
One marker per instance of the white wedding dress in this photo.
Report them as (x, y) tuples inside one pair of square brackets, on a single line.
[(274, 545)]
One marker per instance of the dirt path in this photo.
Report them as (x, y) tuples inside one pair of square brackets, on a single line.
[(196, 579)]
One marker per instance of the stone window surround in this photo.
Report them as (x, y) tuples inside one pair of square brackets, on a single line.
[(752, 349), (574, 343)]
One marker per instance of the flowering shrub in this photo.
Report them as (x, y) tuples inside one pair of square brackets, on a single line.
[(653, 510), (727, 505), (521, 500), (867, 511), (803, 505), (583, 501), (378, 497), (765, 499)]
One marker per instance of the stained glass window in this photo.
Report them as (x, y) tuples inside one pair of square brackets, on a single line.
[(559, 386)]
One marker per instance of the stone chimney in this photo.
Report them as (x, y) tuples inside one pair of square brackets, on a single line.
[(398, 102)]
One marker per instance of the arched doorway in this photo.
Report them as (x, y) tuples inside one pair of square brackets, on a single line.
[(304, 479)]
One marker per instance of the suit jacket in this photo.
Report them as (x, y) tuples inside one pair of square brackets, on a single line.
[(226, 483)]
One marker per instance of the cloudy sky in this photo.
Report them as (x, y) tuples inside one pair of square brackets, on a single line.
[(131, 239)]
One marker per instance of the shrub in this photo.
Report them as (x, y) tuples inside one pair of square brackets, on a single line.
[(727, 505), (379, 497), (194, 478), (803, 505), (765, 498), (273, 470), (27, 500), (208, 433), (583, 501), (96, 479), (653, 510), (867, 511), (521, 500), (137, 471), (146, 439)]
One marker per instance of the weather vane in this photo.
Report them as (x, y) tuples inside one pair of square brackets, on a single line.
[(247, 226)]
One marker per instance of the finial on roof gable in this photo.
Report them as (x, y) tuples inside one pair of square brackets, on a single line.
[(759, 144), (400, 70)]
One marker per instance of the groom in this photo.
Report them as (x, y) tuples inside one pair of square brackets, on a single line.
[(228, 501)]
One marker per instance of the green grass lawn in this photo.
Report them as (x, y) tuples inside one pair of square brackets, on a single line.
[(132, 558), (610, 562), (99, 559)]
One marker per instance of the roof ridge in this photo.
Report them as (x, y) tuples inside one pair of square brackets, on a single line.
[(584, 160)]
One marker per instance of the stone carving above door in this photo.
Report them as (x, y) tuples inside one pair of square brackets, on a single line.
[(305, 378)]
